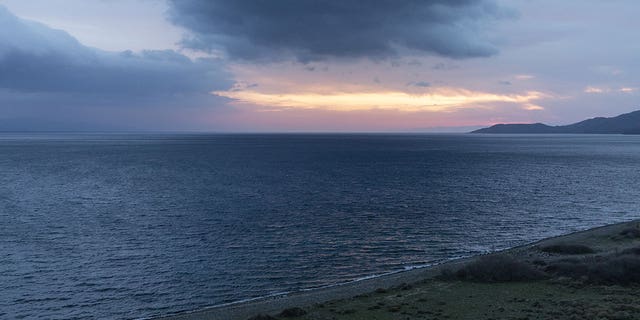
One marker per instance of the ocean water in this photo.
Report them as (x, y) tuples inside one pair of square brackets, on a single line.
[(126, 226)]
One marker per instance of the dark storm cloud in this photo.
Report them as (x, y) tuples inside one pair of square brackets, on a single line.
[(320, 29), (147, 73), (50, 81), (37, 59)]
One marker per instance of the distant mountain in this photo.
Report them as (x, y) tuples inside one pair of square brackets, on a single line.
[(628, 123)]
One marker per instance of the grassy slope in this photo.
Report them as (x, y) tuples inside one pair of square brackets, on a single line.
[(556, 297), (436, 299)]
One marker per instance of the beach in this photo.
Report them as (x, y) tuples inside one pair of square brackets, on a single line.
[(555, 278)]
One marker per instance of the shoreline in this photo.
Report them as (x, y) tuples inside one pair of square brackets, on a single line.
[(274, 304)]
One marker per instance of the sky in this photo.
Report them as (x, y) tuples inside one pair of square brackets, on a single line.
[(314, 65)]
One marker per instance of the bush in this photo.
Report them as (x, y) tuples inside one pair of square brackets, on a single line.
[(568, 268), (632, 233), (262, 317), (497, 268), (539, 262), (292, 312), (567, 249), (621, 269), (635, 251)]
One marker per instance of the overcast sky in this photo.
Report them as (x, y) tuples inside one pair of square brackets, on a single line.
[(321, 65)]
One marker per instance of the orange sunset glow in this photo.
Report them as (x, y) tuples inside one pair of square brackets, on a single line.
[(442, 100)]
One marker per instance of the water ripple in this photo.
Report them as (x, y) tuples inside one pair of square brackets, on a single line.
[(128, 226)]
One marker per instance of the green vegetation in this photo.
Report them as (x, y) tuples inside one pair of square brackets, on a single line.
[(564, 248), (455, 299), (588, 275), (496, 268)]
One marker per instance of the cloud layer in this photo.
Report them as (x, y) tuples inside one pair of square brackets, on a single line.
[(36, 58), (319, 29), (366, 64), (44, 71)]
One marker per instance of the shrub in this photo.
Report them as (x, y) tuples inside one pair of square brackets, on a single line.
[(635, 251), (497, 268), (292, 312), (632, 233), (567, 249), (539, 262), (571, 269), (621, 269), (381, 290), (262, 317)]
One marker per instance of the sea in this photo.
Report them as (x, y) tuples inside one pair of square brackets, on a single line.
[(128, 226)]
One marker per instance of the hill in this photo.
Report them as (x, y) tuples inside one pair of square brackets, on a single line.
[(628, 123)]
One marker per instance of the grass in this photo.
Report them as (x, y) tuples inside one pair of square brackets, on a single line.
[(263, 317), (620, 269), (501, 287), (559, 281), (496, 268), (292, 312), (632, 233), (436, 299), (567, 249)]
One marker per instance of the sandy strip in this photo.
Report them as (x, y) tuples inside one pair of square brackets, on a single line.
[(275, 304)]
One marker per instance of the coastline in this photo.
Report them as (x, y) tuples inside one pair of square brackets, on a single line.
[(274, 304)]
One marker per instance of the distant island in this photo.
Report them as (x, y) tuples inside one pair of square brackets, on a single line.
[(628, 123)]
